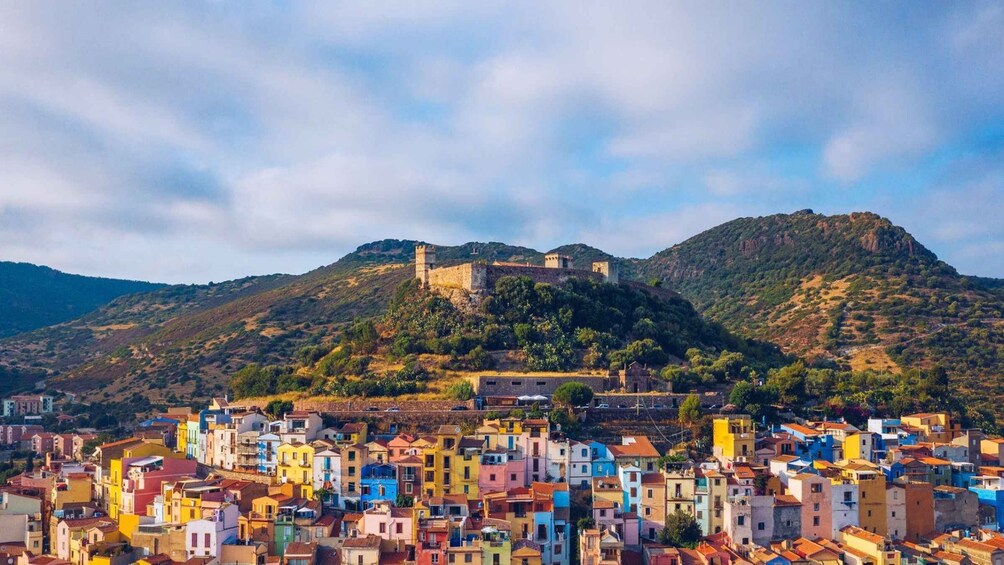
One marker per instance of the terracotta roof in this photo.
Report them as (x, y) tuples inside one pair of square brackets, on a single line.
[(786, 500), (370, 541), (652, 479), (863, 534), (641, 447)]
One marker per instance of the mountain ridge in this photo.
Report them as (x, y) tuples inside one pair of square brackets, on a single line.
[(851, 289), (34, 296)]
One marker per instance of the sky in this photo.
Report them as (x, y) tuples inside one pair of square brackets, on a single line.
[(187, 142)]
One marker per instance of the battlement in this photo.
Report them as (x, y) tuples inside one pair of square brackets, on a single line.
[(480, 277)]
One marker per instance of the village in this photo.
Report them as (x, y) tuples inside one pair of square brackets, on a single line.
[(231, 485)]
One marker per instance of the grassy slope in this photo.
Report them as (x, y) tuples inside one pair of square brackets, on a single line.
[(33, 297), (852, 287)]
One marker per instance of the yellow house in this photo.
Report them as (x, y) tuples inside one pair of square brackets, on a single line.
[(428, 450), (183, 500), (878, 548), (526, 555), (871, 494), (447, 445), (465, 468), (296, 465), (734, 438), (182, 441), (860, 445), (936, 427), (507, 432)]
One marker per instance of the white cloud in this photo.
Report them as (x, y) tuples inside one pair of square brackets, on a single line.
[(280, 137)]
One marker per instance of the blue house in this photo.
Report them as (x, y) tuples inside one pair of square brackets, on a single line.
[(990, 491), (602, 461), (811, 445), (962, 474), (378, 482), (267, 446), (892, 471)]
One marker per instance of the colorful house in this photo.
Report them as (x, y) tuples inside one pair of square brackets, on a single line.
[(295, 464)]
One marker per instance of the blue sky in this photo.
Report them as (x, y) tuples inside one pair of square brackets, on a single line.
[(190, 142)]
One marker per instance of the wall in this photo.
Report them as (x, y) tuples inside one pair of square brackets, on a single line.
[(530, 385)]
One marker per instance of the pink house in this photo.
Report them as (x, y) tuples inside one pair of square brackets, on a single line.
[(500, 471), (390, 523), (399, 447), (143, 478), (43, 442), (813, 492)]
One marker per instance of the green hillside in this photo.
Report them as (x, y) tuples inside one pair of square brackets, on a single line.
[(33, 297), (851, 288)]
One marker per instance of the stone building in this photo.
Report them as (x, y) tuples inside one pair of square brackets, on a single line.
[(481, 277)]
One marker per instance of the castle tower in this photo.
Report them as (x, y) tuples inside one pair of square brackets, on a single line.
[(608, 269), (556, 261), (425, 261)]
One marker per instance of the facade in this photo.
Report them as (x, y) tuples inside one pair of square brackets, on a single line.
[(27, 405)]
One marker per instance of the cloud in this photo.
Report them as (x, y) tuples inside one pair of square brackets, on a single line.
[(188, 142)]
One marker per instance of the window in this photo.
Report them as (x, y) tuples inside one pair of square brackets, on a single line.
[(815, 520), (467, 558), (383, 528), (452, 558), (408, 488), (760, 526), (816, 488), (195, 540), (352, 456), (740, 520), (648, 511), (399, 528), (541, 383), (489, 383), (648, 493), (517, 383), (435, 559), (746, 541)]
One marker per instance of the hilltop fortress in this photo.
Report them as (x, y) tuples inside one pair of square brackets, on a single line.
[(479, 278)]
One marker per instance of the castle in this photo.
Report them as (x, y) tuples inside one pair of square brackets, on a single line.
[(480, 277)]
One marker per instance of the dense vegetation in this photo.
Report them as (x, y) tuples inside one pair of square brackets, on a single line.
[(855, 289), (32, 297), (580, 323)]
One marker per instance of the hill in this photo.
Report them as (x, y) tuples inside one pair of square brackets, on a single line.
[(849, 292), (33, 297), (185, 341), (854, 288)]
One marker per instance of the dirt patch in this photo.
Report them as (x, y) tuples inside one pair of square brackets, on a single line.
[(111, 327), (874, 358)]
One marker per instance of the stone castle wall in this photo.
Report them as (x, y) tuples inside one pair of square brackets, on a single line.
[(466, 277), (474, 277), (537, 274)]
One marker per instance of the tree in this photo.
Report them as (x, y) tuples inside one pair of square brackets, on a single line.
[(572, 394), (461, 390), (789, 383), (278, 408), (681, 530), (743, 394), (690, 411)]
